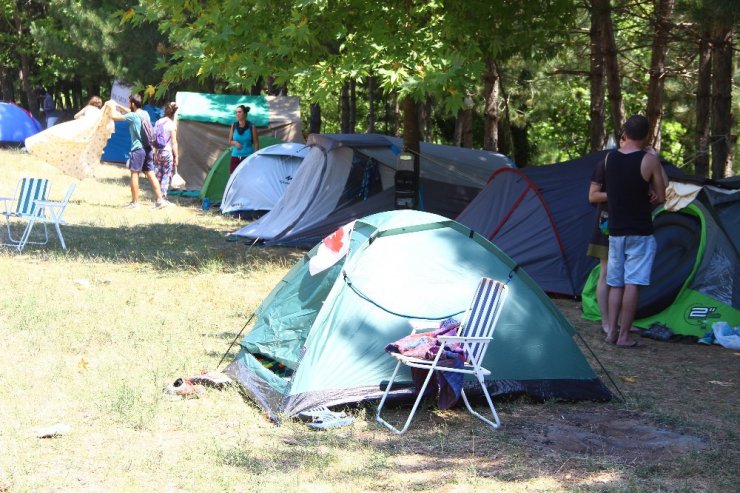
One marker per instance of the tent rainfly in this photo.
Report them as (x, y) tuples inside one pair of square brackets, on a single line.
[(541, 217), (319, 336), (260, 180), (344, 177), (16, 124)]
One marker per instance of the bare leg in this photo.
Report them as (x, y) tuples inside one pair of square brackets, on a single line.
[(602, 296), (627, 314), (134, 187), (155, 185), (615, 306)]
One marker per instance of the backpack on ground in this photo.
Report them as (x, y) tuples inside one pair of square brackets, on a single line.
[(147, 133), (160, 134)]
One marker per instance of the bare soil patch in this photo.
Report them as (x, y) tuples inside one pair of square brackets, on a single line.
[(612, 435)]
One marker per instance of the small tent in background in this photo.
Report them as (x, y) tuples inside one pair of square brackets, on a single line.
[(118, 148), (541, 217), (203, 122), (344, 177), (319, 336), (218, 176), (16, 124), (261, 179), (695, 279)]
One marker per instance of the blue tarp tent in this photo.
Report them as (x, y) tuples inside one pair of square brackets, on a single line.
[(119, 145)]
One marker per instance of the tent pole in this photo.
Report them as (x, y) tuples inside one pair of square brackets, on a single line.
[(237, 337)]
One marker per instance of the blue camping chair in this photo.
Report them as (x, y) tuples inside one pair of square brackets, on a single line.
[(475, 334), (30, 205)]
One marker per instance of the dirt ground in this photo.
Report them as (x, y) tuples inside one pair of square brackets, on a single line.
[(668, 388)]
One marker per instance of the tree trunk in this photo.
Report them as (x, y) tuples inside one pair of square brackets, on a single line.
[(371, 104), (597, 136), (256, 89), (457, 137), (344, 109), (352, 106), (663, 13), (703, 87), (429, 120), (602, 10), (314, 124), (31, 102), (491, 115), (411, 133), (721, 101), (6, 85)]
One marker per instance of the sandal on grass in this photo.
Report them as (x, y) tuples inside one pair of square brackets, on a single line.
[(322, 418), (320, 412), (183, 387)]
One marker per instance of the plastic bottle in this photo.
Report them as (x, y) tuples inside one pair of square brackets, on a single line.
[(206, 204)]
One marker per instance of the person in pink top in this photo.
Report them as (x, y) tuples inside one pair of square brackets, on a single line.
[(165, 158)]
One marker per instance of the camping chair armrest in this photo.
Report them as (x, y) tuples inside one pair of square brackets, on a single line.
[(48, 203), (464, 339), (6, 200)]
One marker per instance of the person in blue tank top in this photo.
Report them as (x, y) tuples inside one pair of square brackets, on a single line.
[(634, 184), (242, 137)]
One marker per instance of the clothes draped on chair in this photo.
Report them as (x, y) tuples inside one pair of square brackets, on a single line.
[(447, 386), (467, 345)]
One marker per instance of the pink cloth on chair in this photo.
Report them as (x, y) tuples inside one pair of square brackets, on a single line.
[(425, 346)]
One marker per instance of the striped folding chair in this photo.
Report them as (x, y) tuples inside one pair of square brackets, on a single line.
[(23, 206), (30, 204), (475, 334)]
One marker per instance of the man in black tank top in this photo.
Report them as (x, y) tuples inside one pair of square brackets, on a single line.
[(634, 184)]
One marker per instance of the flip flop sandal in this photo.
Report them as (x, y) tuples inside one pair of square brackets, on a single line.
[(330, 422), (320, 412)]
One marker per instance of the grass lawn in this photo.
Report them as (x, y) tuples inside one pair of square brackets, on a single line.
[(92, 335)]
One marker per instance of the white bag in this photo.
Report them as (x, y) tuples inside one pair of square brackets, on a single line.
[(177, 182), (727, 336)]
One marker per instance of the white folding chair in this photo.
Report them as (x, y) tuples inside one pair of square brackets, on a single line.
[(475, 334), (22, 206)]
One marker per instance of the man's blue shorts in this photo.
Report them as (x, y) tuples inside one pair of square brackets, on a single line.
[(630, 260), (141, 160)]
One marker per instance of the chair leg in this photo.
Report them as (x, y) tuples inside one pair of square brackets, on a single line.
[(59, 234), (26, 234), (25, 238), (496, 421), (413, 409)]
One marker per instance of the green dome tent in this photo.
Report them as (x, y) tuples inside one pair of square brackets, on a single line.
[(319, 339)]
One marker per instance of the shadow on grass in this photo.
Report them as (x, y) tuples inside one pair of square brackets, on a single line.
[(175, 246)]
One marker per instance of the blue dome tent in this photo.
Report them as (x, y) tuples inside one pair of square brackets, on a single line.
[(16, 124)]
